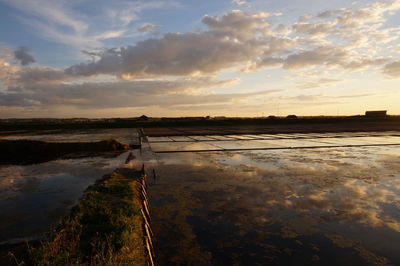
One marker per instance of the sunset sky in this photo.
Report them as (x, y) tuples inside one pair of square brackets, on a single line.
[(120, 58)]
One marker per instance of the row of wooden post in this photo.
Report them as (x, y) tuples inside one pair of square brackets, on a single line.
[(146, 217)]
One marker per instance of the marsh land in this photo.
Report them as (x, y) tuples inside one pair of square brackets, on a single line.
[(293, 194)]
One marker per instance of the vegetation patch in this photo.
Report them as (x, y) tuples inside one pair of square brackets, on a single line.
[(106, 227), (34, 151)]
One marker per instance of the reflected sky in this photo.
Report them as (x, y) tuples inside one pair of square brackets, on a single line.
[(33, 198), (269, 141), (328, 206)]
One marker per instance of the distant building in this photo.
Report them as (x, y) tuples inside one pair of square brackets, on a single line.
[(376, 113), (143, 118)]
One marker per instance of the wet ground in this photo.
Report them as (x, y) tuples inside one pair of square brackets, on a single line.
[(314, 201)]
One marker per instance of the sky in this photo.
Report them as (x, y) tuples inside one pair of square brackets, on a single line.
[(121, 58)]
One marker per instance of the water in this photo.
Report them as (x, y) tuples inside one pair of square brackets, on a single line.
[(33, 198), (285, 206), (325, 206)]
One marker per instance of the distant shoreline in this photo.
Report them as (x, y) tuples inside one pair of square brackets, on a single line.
[(193, 126)]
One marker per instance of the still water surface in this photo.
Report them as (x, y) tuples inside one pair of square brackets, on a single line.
[(326, 206), (33, 198)]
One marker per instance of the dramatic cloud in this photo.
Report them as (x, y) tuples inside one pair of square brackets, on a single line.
[(233, 39), (230, 41), (174, 69), (249, 41), (23, 56)]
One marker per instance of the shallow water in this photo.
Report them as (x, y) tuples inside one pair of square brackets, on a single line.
[(33, 198), (325, 206)]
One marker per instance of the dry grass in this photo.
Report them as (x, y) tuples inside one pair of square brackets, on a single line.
[(105, 228)]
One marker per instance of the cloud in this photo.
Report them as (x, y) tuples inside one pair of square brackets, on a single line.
[(230, 41), (7, 70), (40, 74), (305, 17), (53, 19), (23, 56), (237, 24), (328, 56), (372, 12), (147, 27), (123, 13), (239, 2), (319, 98), (312, 29), (323, 82), (65, 21), (331, 56), (124, 93), (363, 30), (392, 70), (174, 68), (247, 40), (234, 39)]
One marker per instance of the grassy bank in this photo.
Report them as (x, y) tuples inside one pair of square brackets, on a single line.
[(106, 227), (33, 151)]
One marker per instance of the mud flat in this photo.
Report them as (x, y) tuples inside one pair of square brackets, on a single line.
[(34, 151), (109, 226)]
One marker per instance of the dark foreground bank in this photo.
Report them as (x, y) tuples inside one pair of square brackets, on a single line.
[(109, 226), (33, 151)]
